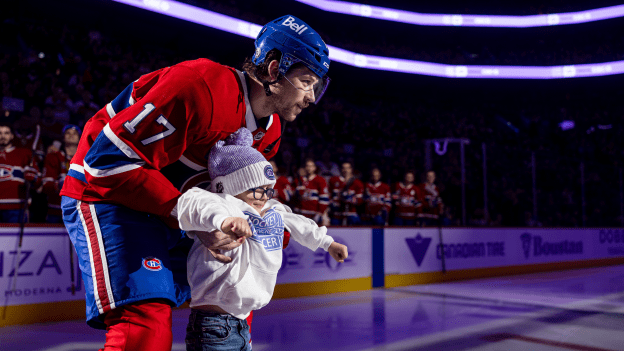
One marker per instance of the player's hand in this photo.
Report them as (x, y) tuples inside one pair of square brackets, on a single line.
[(338, 251), (30, 174), (217, 242), (233, 232)]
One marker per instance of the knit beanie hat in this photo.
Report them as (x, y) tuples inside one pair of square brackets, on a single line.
[(236, 167)]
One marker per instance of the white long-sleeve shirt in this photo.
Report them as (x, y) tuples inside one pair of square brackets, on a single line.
[(248, 281)]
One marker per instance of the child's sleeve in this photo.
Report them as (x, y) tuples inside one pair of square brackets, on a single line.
[(304, 230), (201, 210)]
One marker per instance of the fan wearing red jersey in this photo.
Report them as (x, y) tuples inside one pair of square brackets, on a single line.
[(16, 168), (347, 194), (312, 194), (138, 154), (405, 195), (55, 167), (432, 205), (377, 199)]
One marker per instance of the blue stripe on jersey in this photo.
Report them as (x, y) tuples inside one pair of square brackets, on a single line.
[(122, 100), (77, 175), (103, 154)]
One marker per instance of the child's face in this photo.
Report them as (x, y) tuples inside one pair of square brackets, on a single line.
[(257, 200)]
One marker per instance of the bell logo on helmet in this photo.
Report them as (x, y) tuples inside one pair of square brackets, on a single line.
[(290, 22), (326, 64)]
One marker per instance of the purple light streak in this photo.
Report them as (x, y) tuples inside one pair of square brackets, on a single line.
[(250, 30), (456, 20)]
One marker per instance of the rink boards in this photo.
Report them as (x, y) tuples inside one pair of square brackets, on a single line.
[(378, 257)]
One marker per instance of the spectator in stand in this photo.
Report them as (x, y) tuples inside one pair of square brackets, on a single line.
[(347, 194), (431, 201), (283, 185), (16, 168), (405, 196), (377, 199), (56, 165), (327, 168), (313, 197)]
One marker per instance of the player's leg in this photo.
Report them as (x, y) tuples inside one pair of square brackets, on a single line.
[(124, 261), (144, 325)]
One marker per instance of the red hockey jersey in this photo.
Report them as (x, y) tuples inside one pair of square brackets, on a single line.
[(283, 189), (55, 167), (377, 198), (345, 199), (152, 140), (313, 197), (406, 200), (431, 201), (15, 166)]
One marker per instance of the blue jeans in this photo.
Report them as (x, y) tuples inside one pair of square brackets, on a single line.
[(209, 331)]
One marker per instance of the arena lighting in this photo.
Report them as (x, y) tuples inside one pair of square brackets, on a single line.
[(250, 30), (455, 20)]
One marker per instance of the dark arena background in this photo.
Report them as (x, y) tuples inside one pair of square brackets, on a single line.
[(513, 110)]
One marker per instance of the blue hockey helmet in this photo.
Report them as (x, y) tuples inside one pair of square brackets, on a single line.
[(298, 43)]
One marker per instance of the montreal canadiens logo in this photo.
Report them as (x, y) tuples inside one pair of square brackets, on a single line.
[(152, 264), (259, 136), (268, 172)]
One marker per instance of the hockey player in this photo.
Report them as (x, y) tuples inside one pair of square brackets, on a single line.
[(347, 194), (283, 185), (377, 199), (313, 197), (223, 296), (149, 144), (16, 168), (431, 201), (55, 167), (405, 196)]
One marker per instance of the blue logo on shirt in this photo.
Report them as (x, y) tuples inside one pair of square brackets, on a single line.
[(269, 231)]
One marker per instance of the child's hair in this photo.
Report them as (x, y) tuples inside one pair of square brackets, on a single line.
[(235, 167)]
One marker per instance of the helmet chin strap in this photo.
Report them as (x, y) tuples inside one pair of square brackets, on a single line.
[(267, 86)]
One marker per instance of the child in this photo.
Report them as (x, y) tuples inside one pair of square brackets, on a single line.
[(223, 294)]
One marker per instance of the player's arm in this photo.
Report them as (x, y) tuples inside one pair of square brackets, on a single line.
[(387, 200), (323, 201), (123, 164), (359, 193), (51, 172)]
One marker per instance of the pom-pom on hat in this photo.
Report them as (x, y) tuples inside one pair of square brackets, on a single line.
[(236, 167)]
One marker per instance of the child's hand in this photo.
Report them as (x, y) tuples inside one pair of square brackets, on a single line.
[(338, 251), (237, 228)]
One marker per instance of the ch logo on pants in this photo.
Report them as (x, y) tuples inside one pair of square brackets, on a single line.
[(152, 264)]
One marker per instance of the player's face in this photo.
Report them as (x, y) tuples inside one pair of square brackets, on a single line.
[(296, 92), (409, 178), (310, 168), (376, 175), (6, 137), (71, 137), (347, 170), (250, 199), (430, 177)]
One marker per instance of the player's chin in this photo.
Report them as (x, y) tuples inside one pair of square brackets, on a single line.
[(292, 113)]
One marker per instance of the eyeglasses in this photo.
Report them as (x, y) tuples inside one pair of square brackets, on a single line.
[(258, 193), (317, 88)]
